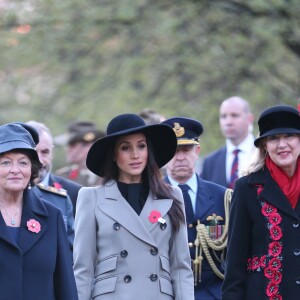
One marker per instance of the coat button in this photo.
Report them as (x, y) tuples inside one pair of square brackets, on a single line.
[(298, 282), (296, 252), (153, 251), (296, 225), (153, 277), (163, 226), (127, 278), (116, 226), (124, 253)]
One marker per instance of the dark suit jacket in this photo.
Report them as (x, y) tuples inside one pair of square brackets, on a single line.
[(209, 200), (71, 187), (39, 266), (250, 238), (214, 167)]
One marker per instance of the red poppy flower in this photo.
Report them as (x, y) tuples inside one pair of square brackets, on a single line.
[(275, 219), (57, 185), (277, 277), (73, 174), (263, 261), (275, 263), (154, 216), (275, 249), (269, 273), (276, 297), (259, 188), (255, 263), (272, 289), (33, 226), (276, 233), (268, 209)]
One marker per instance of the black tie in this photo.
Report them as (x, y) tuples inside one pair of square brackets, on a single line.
[(189, 212)]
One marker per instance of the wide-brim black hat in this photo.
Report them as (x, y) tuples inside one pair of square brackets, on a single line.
[(161, 136), (279, 119), (18, 136)]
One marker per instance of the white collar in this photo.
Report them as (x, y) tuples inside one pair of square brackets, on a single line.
[(192, 182)]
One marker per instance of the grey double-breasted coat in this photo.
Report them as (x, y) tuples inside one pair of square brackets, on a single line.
[(121, 255)]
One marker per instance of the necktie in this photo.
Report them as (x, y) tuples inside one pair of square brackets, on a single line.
[(234, 168), (189, 212)]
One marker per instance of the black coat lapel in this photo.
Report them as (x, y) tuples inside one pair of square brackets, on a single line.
[(271, 191)]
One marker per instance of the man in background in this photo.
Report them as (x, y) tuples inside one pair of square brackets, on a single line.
[(45, 152), (204, 203), (236, 122), (53, 194), (78, 140)]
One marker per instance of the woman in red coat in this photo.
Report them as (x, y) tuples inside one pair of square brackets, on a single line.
[(263, 258)]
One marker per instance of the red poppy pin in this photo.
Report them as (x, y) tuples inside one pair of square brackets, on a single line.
[(33, 226), (299, 108), (155, 216), (57, 185)]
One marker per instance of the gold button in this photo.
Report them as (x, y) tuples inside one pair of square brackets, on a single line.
[(191, 225), (191, 245)]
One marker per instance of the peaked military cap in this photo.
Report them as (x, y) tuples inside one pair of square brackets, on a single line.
[(187, 130), (80, 131)]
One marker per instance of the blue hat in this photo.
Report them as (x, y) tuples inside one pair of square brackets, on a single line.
[(187, 130), (279, 119), (18, 136), (161, 136)]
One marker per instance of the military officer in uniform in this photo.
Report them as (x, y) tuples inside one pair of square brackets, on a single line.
[(78, 140), (59, 198), (204, 206), (45, 152)]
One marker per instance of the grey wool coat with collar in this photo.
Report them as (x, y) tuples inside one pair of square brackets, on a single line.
[(120, 255)]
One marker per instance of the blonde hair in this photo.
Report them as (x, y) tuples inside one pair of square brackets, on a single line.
[(258, 159)]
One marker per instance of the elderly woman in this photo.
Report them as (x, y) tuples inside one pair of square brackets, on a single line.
[(263, 258), (130, 232), (35, 260)]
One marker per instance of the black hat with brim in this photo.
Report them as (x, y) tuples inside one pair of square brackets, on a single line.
[(279, 119), (161, 136)]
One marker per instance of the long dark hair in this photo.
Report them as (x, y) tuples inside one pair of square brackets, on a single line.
[(151, 176)]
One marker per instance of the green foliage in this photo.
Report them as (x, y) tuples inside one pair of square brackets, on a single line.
[(68, 60)]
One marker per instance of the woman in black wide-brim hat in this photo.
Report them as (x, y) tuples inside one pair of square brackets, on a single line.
[(263, 254), (130, 232)]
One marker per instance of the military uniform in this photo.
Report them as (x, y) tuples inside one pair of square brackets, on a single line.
[(206, 223), (84, 177), (60, 199), (85, 133)]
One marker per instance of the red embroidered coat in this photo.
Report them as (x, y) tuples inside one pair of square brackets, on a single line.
[(263, 254)]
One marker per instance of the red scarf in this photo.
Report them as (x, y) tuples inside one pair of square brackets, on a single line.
[(289, 186)]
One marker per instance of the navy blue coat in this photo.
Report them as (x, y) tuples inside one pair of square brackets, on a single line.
[(39, 266), (214, 167), (209, 200), (250, 239)]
